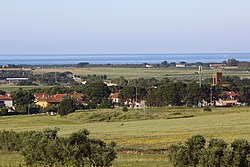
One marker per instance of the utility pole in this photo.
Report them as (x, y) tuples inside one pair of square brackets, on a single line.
[(136, 94), (55, 75), (42, 71), (200, 76), (211, 94)]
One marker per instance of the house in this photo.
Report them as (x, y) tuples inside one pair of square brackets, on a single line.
[(55, 100), (135, 104), (224, 103), (180, 65), (228, 98), (149, 66), (230, 95), (114, 97), (109, 84), (44, 100), (217, 65), (79, 98), (7, 102), (41, 99)]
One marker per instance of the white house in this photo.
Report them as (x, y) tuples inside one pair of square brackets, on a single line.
[(114, 97), (6, 101)]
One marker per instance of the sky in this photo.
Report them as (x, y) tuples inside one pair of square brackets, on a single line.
[(124, 26)]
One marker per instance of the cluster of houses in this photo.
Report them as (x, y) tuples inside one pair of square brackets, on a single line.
[(227, 98), (43, 100)]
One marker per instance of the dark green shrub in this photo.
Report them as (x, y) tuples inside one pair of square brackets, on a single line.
[(3, 111), (209, 109), (47, 149), (217, 153), (125, 109)]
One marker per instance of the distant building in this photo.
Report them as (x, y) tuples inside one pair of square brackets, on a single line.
[(217, 79), (228, 98), (149, 66), (217, 65), (44, 100), (6, 102), (224, 103), (114, 97), (109, 84), (15, 80), (180, 65)]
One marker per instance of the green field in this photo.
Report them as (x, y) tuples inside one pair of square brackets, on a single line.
[(14, 88), (132, 73), (142, 131)]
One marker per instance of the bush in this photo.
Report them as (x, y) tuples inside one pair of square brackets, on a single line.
[(207, 109), (3, 111), (217, 153), (46, 148), (125, 109)]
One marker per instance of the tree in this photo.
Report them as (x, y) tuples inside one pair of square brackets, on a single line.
[(215, 154), (241, 151), (2, 92), (193, 94), (232, 62), (121, 81), (22, 99), (96, 92), (66, 106), (245, 94), (195, 146), (47, 149)]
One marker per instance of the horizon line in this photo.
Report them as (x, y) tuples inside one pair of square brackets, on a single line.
[(173, 53)]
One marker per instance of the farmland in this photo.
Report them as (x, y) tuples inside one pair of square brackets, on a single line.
[(142, 131), (133, 73)]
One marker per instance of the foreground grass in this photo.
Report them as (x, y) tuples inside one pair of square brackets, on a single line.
[(140, 135), (153, 129), (123, 160), (10, 159)]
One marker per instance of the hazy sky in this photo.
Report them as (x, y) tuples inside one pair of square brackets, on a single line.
[(124, 26)]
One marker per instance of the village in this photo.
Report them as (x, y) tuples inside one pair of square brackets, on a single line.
[(222, 98)]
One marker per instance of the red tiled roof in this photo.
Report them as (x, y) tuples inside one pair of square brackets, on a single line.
[(54, 100), (57, 98), (60, 95), (230, 93), (4, 97), (114, 95)]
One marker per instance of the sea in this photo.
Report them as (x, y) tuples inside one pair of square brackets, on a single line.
[(50, 59)]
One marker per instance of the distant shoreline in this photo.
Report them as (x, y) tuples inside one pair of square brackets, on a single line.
[(118, 59)]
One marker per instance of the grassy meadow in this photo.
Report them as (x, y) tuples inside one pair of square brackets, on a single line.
[(139, 133), (133, 73), (7, 88)]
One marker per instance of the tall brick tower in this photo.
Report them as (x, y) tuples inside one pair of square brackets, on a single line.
[(217, 79)]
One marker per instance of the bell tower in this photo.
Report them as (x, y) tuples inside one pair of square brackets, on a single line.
[(217, 79)]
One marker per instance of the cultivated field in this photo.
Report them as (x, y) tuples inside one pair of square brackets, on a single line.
[(142, 131), (132, 73), (14, 88)]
